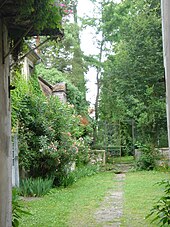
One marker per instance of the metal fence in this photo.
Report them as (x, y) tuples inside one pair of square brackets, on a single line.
[(116, 137)]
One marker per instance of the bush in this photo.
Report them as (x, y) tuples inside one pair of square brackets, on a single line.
[(161, 209), (35, 187), (73, 176), (18, 209), (50, 133), (148, 157)]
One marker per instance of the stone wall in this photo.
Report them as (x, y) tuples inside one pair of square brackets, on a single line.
[(59, 90), (98, 156), (164, 156)]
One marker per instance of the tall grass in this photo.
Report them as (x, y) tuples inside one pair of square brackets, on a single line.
[(73, 176), (35, 187)]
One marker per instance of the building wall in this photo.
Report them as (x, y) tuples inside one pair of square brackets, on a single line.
[(26, 70), (28, 64), (61, 95), (5, 130)]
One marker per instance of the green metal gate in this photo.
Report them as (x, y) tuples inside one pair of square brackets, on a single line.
[(110, 136)]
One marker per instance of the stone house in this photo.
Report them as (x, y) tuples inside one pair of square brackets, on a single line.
[(28, 64), (58, 89), (27, 69), (12, 26)]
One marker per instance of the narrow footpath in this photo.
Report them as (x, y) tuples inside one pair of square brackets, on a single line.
[(111, 210)]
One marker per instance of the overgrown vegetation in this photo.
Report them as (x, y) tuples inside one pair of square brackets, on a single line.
[(131, 104), (51, 134), (18, 209), (148, 157)]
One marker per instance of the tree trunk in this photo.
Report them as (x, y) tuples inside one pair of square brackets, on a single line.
[(97, 93), (5, 132)]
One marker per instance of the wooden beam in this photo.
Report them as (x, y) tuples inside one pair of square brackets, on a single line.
[(165, 6), (5, 132)]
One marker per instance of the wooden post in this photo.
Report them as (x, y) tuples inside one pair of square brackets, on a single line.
[(133, 137), (104, 157), (165, 6), (5, 132), (15, 164)]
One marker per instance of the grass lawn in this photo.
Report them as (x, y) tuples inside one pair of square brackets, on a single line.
[(70, 206), (124, 159), (140, 193), (75, 206)]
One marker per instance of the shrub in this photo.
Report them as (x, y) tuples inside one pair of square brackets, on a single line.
[(50, 133), (161, 210), (148, 157), (35, 187), (18, 209), (47, 137)]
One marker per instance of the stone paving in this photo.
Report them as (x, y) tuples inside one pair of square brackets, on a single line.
[(111, 209)]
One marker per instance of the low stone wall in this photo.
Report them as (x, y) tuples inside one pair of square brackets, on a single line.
[(137, 154), (165, 152), (98, 156), (164, 156)]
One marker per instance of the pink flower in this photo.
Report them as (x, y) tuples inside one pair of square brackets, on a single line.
[(62, 5)]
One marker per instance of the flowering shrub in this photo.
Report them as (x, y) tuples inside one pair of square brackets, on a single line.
[(65, 6), (51, 135)]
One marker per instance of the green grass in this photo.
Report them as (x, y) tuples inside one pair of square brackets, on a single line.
[(124, 159), (70, 206), (76, 205), (140, 193)]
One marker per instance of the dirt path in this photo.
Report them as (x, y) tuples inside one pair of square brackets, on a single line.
[(111, 209)]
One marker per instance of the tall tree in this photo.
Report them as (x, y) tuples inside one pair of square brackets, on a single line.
[(67, 56), (95, 61), (133, 83)]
